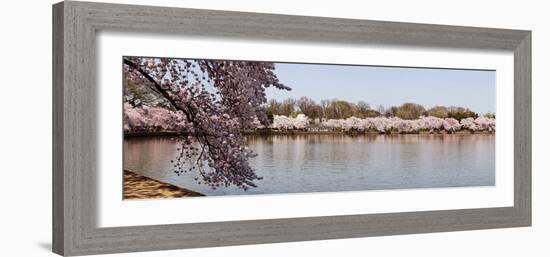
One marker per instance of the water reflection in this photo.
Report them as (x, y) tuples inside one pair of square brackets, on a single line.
[(335, 162)]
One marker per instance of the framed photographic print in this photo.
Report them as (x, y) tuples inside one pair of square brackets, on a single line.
[(182, 128)]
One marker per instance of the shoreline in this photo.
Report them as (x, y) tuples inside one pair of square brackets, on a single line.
[(370, 133), (301, 132), (141, 187)]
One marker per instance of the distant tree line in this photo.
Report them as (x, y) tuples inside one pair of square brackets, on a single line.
[(341, 109)]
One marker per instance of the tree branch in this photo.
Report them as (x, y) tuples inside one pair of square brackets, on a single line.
[(156, 85)]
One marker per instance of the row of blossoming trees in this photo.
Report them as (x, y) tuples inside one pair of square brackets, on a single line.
[(160, 119), (388, 125)]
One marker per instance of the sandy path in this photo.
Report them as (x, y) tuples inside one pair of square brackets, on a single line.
[(140, 187)]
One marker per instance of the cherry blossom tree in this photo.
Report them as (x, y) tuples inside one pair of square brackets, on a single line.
[(301, 121), (147, 119), (216, 99), (485, 123), (285, 123), (468, 123), (451, 125)]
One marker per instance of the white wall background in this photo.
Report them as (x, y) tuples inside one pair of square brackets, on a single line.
[(25, 128)]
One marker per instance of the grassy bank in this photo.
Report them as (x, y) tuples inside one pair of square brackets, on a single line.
[(141, 187)]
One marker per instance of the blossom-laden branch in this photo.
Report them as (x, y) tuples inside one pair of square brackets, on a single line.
[(213, 101)]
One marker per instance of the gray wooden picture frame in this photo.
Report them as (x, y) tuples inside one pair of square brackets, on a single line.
[(75, 25)]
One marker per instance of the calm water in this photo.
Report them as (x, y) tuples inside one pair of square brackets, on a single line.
[(325, 163)]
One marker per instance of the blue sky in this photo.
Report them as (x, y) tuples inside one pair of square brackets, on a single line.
[(474, 89)]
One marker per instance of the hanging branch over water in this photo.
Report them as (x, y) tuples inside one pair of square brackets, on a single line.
[(217, 99)]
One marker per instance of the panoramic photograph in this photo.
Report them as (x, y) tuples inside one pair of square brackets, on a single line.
[(206, 127)]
